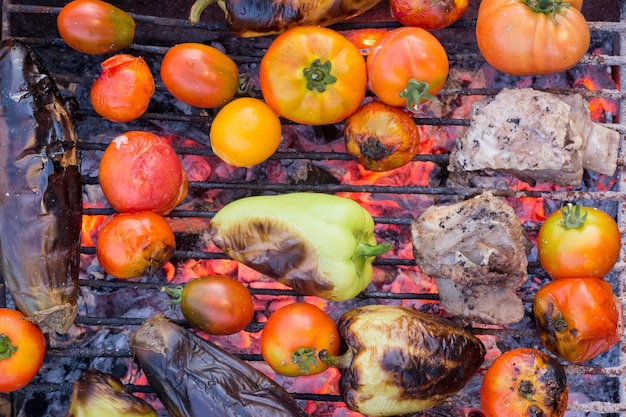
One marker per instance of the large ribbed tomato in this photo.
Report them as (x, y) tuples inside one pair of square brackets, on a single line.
[(531, 37), (313, 75)]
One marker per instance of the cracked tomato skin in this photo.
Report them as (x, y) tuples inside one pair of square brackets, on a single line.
[(578, 318), (524, 382), (294, 329), (95, 27), (19, 333), (428, 14), (575, 247), (313, 75)]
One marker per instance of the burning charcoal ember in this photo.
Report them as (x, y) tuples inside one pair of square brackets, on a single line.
[(537, 137), (195, 378), (317, 244), (40, 188), (477, 251), (247, 18), (98, 394), (400, 361)]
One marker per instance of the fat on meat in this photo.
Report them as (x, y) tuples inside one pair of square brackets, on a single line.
[(535, 136), (477, 251)]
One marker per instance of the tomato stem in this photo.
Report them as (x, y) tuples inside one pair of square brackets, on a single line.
[(341, 361), (526, 389), (572, 218), (176, 294), (546, 6), (305, 358), (416, 92), (6, 347), (318, 76)]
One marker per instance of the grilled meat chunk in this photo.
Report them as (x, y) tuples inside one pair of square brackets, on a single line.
[(402, 361), (535, 136), (477, 251), (40, 191)]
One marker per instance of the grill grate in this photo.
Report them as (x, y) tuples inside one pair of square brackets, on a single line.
[(165, 27)]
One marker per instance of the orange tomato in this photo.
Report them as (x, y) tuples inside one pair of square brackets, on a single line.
[(140, 171), (524, 382), (199, 75), (131, 245), (95, 27), (381, 137), (428, 14), (313, 75), (123, 90), (245, 132), (22, 350)]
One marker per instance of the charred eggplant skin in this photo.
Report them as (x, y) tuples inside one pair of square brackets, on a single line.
[(40, 191), (401, 361), (250, 18), (195, 378)]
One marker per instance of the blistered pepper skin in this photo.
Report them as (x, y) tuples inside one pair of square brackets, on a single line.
[(195, 378), (40, 191), (401, 361), (250, 18), (318, 244)]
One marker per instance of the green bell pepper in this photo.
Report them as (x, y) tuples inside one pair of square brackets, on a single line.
[(317, 244)]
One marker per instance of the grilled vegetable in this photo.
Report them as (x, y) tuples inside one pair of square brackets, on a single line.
[(249, 18), (318, 244), (195, 378), (98, 394), (401, 361), (40, 191)]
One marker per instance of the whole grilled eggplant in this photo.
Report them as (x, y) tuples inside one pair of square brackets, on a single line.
[(249, 18), (195, 378), (40, 191), (401, 361)]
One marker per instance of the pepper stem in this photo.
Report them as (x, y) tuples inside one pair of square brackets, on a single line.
[(198, 7), (340, 361), (365, 250), (176, 294), (416, 92), (318, 76), (572, 218), (6, 347), (305, 358)]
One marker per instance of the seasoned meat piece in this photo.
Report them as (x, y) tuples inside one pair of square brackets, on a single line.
[(537, 137), (477, 251)]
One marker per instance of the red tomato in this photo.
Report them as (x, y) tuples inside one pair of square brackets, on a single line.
[(577, 242), (313, 75), (215, 304), (578, 318), (365, 39), (530, 37), (524, 382), (22, 350), (199, 75), (131, 245), (428, 14), (95, 27), (140, 171), (123, 90), (406, 67), (245, 132), (381, 137), (293, 337)]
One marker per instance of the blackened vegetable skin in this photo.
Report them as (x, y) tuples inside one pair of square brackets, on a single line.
[(40, 191), (194, 378)]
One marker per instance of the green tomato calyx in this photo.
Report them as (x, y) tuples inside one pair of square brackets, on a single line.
[(572, 217), (416, 92), (547, 6), (7, 349), (305, 358), (318, 76)]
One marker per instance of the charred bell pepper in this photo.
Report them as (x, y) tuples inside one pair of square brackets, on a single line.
[(40, 191), (99, 394), (195, 378), (401, 361), (250, 18), (317, 244)]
